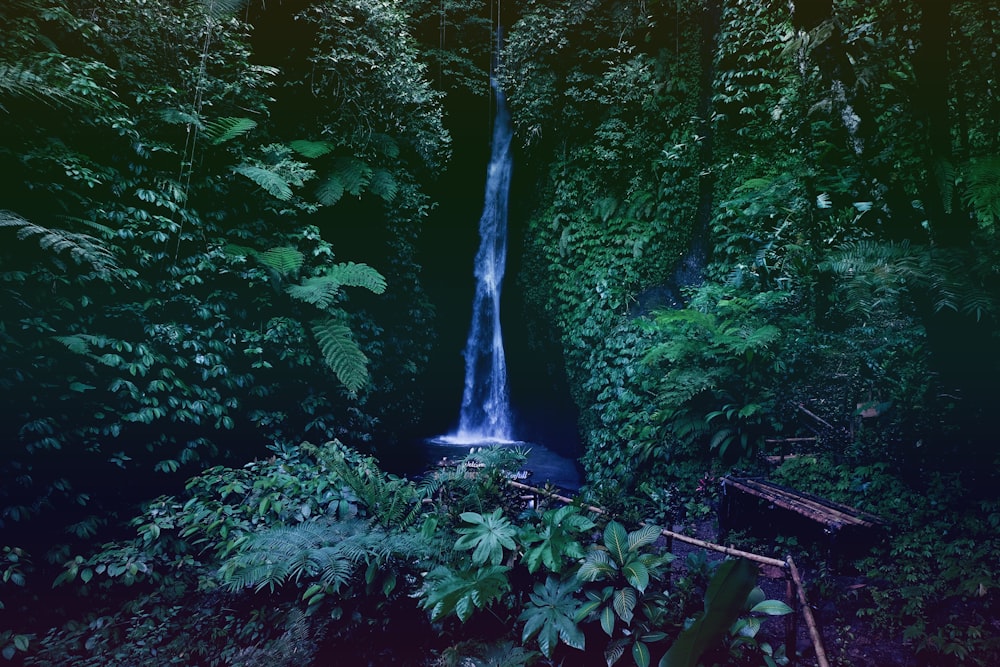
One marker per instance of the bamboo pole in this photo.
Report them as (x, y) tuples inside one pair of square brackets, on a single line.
[(817, 417), (777, 440), (817, 639), (791, 621), (787, 565), (729, 551)]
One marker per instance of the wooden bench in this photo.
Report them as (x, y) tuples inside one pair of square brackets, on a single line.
[(767, 509)]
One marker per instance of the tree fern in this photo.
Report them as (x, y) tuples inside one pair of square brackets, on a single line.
[(267, 179), (331, 553), (322, 291), (17, 81), (330, 190), (83, 249), (383, 184), (221, 130), (393, 502), (982, 192), (342, 353), (286, 260), (385, 145), (354, 173), (311, 149)]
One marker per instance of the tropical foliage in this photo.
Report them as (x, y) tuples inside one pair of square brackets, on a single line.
[(744, 228)]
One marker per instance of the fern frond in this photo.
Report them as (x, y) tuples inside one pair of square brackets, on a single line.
[(20, 81), (944, 172), (311, 149), (83, 249), (384, 185), (237, 250), (221, 130), (330, 190), (220, 8), (76, 343), (268, 180), (354, 173), (104, 231), (333, 553), (322, 291), (286, 260), (385, 144), (342, 353), (351, 274), (982, 192)]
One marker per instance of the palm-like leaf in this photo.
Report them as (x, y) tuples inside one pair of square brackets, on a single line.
[(447, 591), (982, 192), (383, 184), (82, 249), (311, 149), (550, 615), (322, 291), (267, 179), (487, 536), (342, 353), (330, 190), (21, 81), (286, 260), (221, 130)]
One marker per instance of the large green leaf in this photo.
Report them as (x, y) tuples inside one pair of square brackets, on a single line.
[(616, 541), (598, 565), (550, 615), (643, 537), (557, 540), (487, 536), (461, 592), (624, 602), (724, 601), (636, 574)]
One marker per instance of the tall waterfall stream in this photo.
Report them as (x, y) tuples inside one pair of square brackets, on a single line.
[(486, 417)]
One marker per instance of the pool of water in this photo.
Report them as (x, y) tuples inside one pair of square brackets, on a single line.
[(543, 465)]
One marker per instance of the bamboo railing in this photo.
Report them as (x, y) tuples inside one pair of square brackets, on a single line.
[(795, 590)]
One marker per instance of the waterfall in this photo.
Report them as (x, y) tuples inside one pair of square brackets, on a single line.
[(485, 413)]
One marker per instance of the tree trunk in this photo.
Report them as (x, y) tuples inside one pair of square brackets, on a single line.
[(950, 225)]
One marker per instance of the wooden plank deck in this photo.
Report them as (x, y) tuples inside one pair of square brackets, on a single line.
[(831, 514), (769, 510)]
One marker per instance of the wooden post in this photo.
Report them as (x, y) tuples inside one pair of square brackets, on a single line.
[(791, 621), (794, 587), (817, 639)]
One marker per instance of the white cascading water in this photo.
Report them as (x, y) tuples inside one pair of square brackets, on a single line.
[(485, 414)]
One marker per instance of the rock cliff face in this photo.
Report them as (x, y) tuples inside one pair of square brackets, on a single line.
[(747, 146)]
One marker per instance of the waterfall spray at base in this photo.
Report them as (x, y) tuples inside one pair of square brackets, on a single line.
[(485, 414)]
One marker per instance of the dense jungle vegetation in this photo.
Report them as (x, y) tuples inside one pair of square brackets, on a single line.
[(745, 228)]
